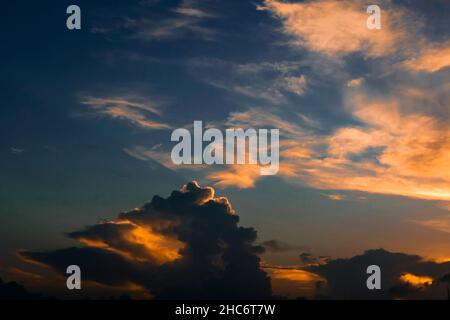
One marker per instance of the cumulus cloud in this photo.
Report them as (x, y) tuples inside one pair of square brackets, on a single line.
[(402, 276), (188, 245)]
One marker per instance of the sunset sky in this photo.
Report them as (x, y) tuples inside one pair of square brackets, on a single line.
[(364, 119)]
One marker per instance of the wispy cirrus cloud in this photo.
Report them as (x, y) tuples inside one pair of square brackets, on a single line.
[(439, 223), (170, 21), (264, 82), (128, 109), (187, 19)]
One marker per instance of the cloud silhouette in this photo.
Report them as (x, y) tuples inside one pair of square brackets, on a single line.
[(187, 246), (402, 276)]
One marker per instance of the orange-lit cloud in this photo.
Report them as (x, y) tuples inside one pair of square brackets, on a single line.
[(136, 242), (413, 159), (126, 109), (416, 281), (412, 150), (337, 27), (241, 176), (442, 260), (430, 60)]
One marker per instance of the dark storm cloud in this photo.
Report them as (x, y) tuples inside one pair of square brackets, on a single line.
[(346, 278), (188, 245)]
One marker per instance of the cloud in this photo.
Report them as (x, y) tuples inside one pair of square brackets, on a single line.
[(188, 245), (184, 20), (133, 111), (242, 176), (416, 281), (402, 276), (337, 28), (400, 145), (154, 153), (431, 59), (410, 152), (440, 224), (193, 12), (296, 84), (16, 150), (263, 82), (157, 20), (355, 82)]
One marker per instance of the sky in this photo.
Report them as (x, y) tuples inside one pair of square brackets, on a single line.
[(86, 118)]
